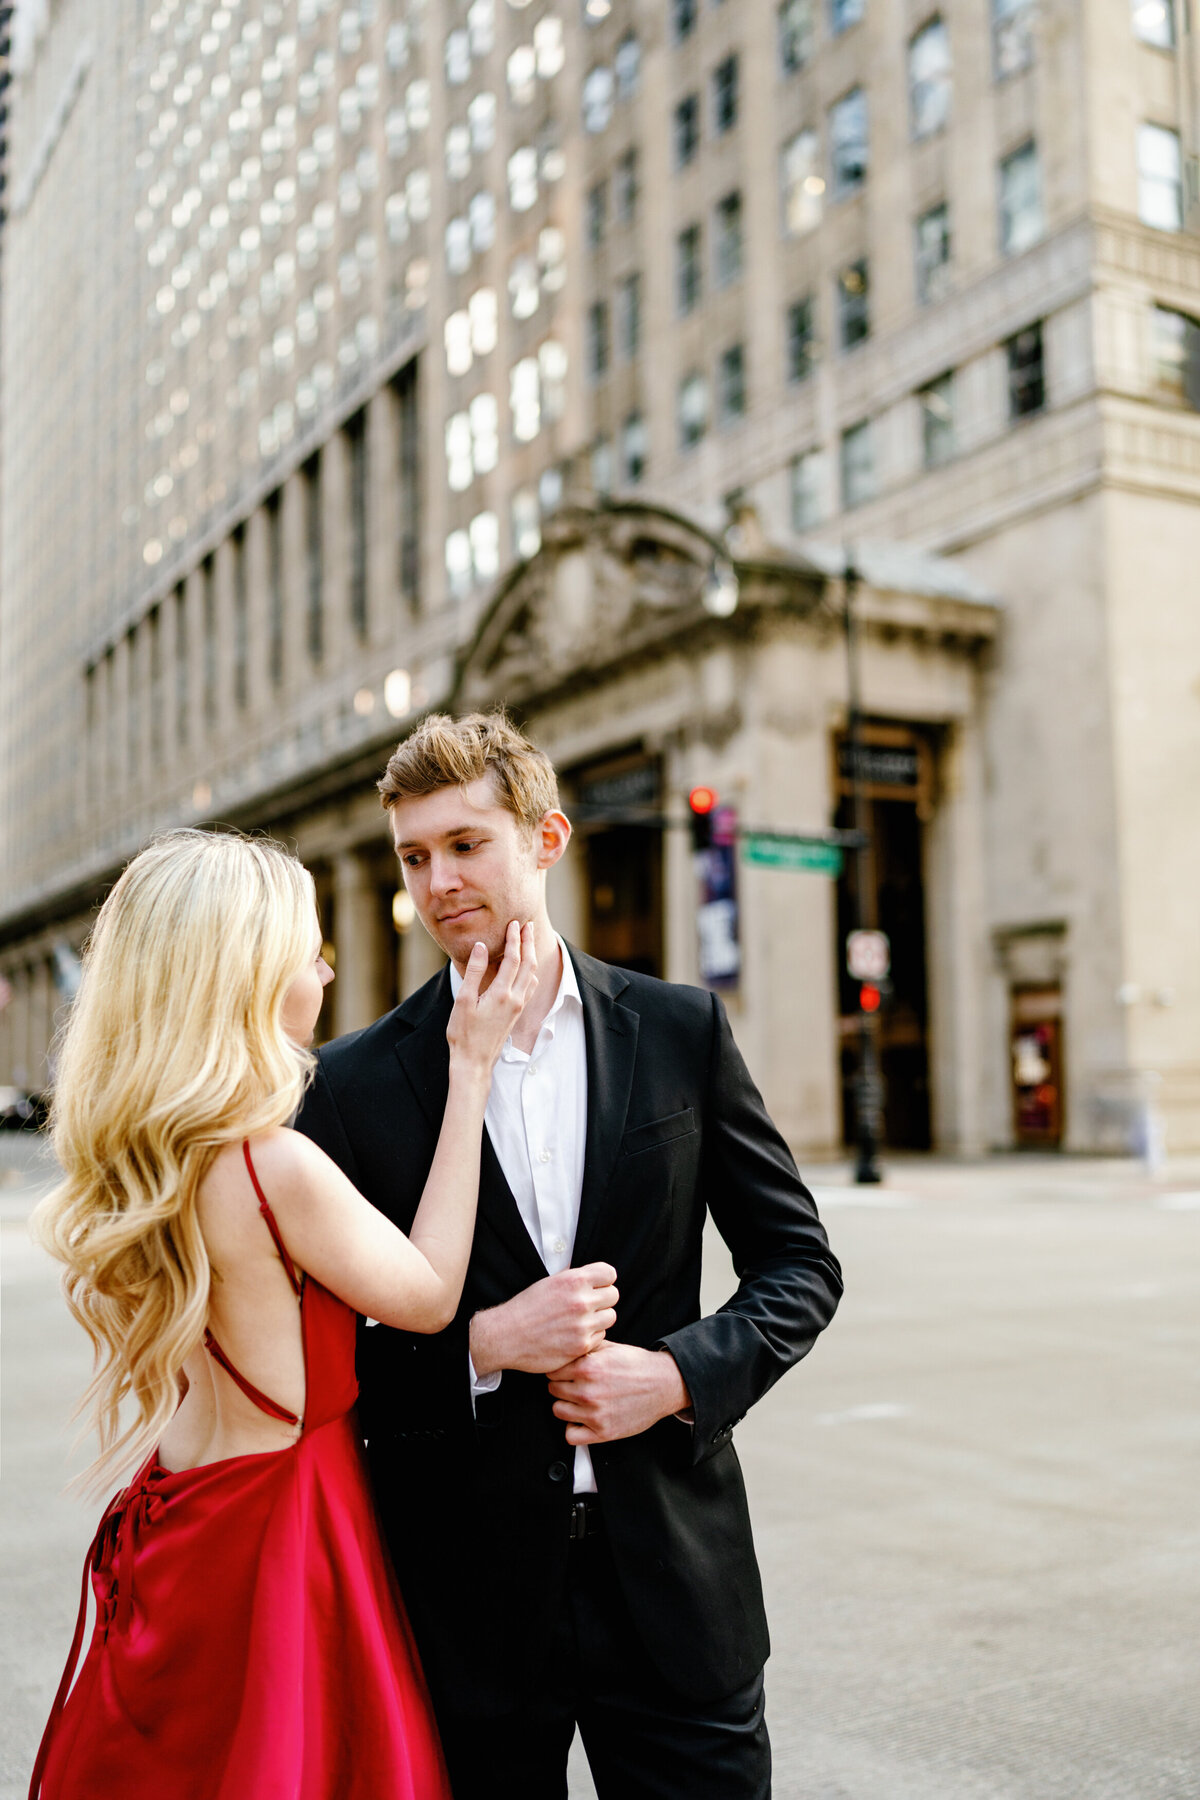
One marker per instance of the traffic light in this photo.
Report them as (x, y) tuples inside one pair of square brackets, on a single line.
[(870, 997), (702, 802)]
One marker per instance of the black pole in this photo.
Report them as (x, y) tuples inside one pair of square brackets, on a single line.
[(868, 1097)]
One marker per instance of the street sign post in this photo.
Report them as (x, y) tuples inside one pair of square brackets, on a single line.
[(807, 855)]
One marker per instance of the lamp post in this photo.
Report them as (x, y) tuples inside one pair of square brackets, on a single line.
[(868, 1096)]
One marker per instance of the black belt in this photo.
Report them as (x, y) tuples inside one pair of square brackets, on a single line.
[(586, 1519)]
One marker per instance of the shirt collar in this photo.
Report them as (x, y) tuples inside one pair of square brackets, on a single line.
[(568, 988)]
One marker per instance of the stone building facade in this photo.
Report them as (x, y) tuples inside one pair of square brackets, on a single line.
[(359, 359)]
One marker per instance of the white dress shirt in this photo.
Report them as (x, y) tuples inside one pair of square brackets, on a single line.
[(537, 1121)]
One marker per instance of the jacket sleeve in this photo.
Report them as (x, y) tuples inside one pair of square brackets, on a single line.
[(789, 1281)]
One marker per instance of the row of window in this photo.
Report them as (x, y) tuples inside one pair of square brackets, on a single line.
[(1012, 31), (145, 638), (1175, 362), (857, 470)]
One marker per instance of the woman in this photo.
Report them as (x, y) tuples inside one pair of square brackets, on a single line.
[(249, 1642)]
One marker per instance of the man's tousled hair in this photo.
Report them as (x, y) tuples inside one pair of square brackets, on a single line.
[(446, 752)]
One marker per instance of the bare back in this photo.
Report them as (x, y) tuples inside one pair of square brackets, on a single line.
[(254, 1316)]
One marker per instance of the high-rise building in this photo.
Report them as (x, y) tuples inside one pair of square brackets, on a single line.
[(359, 359)]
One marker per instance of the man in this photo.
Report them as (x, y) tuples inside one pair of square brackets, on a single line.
[(556, 1472)]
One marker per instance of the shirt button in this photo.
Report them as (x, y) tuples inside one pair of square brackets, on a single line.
[(531, 1069), (543, 1156), (558, 1246)]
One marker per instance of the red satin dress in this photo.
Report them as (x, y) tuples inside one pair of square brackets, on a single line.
[(249, 1642)]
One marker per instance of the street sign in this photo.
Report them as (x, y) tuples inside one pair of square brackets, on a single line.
[(868, 955), (809, 855)]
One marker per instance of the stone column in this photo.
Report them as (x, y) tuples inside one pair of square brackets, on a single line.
[(420, 958), (357, 925), (957, 948), (335, 540), (41, 1010), (383, 489)]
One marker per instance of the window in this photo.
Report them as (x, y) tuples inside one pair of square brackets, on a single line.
[(858, 465), (1175, 346), (1020, 200), (848, 143), (929, 79), (275, 587), (844, 13), (524, 399), (687, 129), (1160, 187), (597, 99), (1026, 372), (552, 376), (629, 316), (1012, 36), (801, 339), (597, 339), (522, 178), (356, 451), (683, 18), (853, 298), (692, 410), (1154, 22), (634, 448), (526, 523), (731, 382), (728, 240), (725, 96), (687, 270), (484, 537), (314, 559), (597, 213), (937, 421), (801, 184), (627, 64), (458, 245), (933, 254), (807, 481), (797, 34), (602, 465), (625, 187)]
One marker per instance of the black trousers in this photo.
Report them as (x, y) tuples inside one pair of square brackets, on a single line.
[(643, 1741)]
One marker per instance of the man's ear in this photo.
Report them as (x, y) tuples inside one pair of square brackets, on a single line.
[(552, 834)]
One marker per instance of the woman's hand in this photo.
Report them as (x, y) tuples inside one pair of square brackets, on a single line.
[(481, 1023)]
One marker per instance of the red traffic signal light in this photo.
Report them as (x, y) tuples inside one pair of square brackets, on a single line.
[(869, 997), (702, 801)]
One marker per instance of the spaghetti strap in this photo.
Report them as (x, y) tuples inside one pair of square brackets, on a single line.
[(264, 1207), (263, 1401)]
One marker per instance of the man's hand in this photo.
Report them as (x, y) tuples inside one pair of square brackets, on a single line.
[(551, 1323), (616, 1392)]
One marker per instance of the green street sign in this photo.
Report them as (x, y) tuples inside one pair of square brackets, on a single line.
[(809, 855)]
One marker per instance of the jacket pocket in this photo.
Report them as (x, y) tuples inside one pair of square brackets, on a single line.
[(658, 1131)]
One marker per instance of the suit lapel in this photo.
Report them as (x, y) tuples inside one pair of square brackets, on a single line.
[(424, 1057), (611, 1036)]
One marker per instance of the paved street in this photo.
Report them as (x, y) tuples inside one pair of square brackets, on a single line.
[(975, 1505)]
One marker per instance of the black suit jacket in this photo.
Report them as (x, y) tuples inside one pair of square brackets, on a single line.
[(475, 1505)]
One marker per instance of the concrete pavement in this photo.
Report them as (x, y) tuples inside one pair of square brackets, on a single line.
[(976, 1503)]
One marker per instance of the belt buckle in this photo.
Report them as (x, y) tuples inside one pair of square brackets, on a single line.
[(579, 1519)]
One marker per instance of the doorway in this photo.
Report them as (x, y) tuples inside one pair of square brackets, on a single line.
[(1037, 1066), (617, 813), (898, 771)]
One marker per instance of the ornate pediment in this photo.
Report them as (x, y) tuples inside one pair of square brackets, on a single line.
[(605, 582)]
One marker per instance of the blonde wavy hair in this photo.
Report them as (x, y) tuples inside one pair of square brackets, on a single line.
[(174, 1046)]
